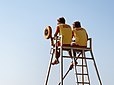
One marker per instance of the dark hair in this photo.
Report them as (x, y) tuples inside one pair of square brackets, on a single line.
[(61, 20), (77, 24)]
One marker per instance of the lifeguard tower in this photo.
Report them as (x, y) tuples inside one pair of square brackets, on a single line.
[(81, 76)]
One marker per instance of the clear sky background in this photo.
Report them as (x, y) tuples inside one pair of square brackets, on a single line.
[(24, 53)]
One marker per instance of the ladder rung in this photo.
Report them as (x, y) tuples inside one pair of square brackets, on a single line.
[(81, 74), (78, 57), (84, 82), (85, 58), (69, 56), (82, 65)]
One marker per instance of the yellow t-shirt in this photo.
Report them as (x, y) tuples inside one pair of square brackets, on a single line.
[(66, 32), (80, 36)]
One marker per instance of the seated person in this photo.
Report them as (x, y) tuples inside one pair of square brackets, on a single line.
[(80, 35), (66, 31)]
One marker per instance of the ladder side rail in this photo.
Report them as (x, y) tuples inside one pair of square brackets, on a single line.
[(77, 74), (84, 58), (87, 68), (74, 62)]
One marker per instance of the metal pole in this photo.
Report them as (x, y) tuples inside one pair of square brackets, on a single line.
[(61, 60), (64, 76), (70, 68), (82, 67), (87, 68), (49, 68), (96, 68), (74, 62), (61, 66)]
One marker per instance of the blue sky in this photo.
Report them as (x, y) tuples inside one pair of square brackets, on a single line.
[(24, 53)]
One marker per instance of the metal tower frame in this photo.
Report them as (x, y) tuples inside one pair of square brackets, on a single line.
[(80, 56)]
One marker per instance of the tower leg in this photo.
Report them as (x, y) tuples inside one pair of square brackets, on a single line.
[(61, 66), (49, 69), (96, 68), (74, 62), (82, 67)]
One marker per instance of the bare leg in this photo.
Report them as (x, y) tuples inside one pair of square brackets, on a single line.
[(57, 55)]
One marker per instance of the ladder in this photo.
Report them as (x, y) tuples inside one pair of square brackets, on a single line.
[(81, 72), (81, 69)]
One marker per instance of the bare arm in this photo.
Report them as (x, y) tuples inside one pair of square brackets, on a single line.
[(57, 31)]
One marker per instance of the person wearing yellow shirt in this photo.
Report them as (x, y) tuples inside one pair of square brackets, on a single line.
[(65, 31), (80, 35)]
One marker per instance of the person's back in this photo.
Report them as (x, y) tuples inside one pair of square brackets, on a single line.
[(66, 32), (80, 35)]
